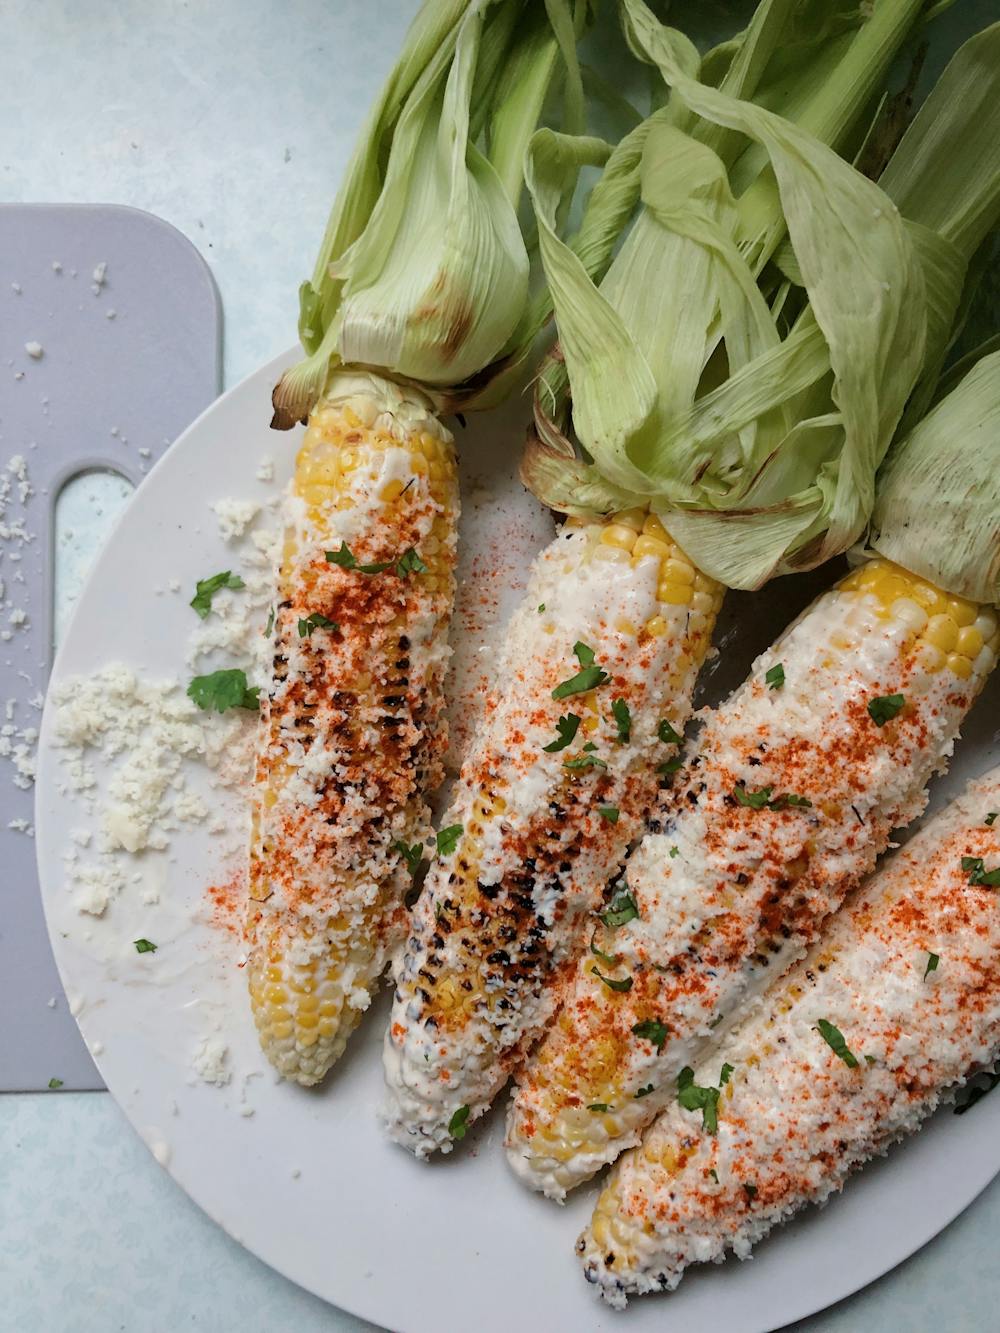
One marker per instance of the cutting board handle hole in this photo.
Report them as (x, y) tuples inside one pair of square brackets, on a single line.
[(87, 507)]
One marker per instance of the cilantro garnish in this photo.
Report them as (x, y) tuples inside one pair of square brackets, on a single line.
[(587, 678), (623, 719), (447, 839), (754, 800), (725, 1075), (674, 851), (932, 961), (609, 812), (612, 959), (315, 621), (270, 623), (458, 1123), (991, 818), (651, 1029), (566, 728), (978, 874), (694, 1098), (667, 734), (585, 761), (885, 708), (834, 1038), (407, 563), (144, 946), (624, 985), (55, 1082), (622, 908), (775, 676), (671, 765), (411, 855), (221, 690), (205, 590), (598, 1106)]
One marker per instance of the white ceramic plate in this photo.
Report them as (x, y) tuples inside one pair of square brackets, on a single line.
[(456, 1244)]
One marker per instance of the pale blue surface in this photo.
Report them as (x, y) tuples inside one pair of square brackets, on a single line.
[(212, 115)]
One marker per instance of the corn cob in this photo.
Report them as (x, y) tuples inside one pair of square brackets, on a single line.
[(352, 733), (908, 976), (542, 829), (792, 793)]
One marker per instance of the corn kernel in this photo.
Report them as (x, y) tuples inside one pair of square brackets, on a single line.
[(942, 632), (678, 571), (652, 527), (703, 602), (630, 518), (674, 594), (656, 626), (959, 666), (969, 642), (617, 534), (646, 545)]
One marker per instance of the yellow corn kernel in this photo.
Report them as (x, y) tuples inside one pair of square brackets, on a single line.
[(679, 571), (959, 666), (942, 632), (674, 594), (630, 518), (617, 534), (969, 642), (656, 626), (962, 612), (646, 545), (652, 527)]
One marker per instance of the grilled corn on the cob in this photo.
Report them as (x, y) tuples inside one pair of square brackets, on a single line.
[(896, 1004), (591, 694), (796, 783), (352, 732)]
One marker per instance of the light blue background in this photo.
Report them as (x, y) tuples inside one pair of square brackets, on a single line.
[(232, 119)]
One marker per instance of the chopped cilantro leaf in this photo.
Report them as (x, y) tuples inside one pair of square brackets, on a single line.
[(775, 676), (458, 1122), (753, 800), (584, 653), (598, 1106), (693, 1098), (834, 1038), (671, 765), (221, 690), (315, 621), (623, 719), (144, 946), (612, 959), (410, 563), (447, 839), (790, 798), (585, 761), (885, 708), (667, 734), (541, 607), (622, 908), (566, 729), (344, 557), (205, 590), (674, 851), (55, 1082), (609, 812), (270, 623), (724, 1077), (714, 1174), (587, 679), (651, 1029), (991, 818), (932, 961), (978, 874), (411, 855), (590, 747), (624, 985)]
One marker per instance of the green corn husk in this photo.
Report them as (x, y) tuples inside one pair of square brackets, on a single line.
[(752, 406), (948, 465), (423, 273)]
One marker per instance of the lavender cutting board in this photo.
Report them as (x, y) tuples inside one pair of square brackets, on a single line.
[(110, 344)]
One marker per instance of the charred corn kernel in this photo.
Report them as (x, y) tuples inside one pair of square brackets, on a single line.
[(326, 877), (490, 934), (804, 1133), (830, 796)]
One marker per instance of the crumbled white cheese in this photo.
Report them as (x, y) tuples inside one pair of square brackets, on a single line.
[(210, 1061), (234, 516), (265, 470), (100, 275), (34, 349)]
